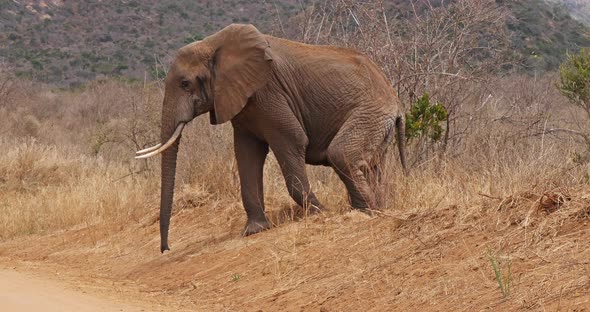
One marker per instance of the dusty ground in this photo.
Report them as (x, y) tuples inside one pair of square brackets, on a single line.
[(438, 259), (24, 291)]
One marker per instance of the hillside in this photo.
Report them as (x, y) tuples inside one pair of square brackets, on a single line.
[(66, 43), (544, 32), (579, 9)]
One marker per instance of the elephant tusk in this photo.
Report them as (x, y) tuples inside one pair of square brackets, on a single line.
[(166, 145), (149, 149)]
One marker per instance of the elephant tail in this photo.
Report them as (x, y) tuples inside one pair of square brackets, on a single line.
[(400, 124)]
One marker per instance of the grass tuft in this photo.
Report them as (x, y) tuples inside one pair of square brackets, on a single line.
[(502, 272)]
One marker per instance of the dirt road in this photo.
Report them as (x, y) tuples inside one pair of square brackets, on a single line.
[(20, 291)]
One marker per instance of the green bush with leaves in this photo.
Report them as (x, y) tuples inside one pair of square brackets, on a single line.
[(574, 74), (424, 118)]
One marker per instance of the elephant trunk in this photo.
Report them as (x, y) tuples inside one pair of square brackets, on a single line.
[(169, 157), (169, 151), (170, 137)]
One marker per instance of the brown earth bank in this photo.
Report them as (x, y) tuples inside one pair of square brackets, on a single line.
[(528, 251)]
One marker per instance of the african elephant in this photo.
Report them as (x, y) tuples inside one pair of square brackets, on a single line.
[(310, 104)]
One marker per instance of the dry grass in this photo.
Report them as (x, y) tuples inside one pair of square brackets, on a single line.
[(67, 158), (45, 189), (507, 188)]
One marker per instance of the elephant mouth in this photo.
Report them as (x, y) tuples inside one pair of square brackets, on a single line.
[(159, 148)]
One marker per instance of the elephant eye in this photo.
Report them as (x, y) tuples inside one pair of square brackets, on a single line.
[(184, 83)]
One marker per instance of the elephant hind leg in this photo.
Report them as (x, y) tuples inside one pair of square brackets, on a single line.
[(357, 155), (359, 190)]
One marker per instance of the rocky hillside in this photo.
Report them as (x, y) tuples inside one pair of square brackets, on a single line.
[(66, 43)]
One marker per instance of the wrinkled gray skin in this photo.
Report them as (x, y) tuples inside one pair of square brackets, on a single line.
[(319, 105)]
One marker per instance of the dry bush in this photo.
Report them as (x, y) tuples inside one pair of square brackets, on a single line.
[(110, 119), (206, 157)]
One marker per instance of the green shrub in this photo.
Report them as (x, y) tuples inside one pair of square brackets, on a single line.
[(424, 119), (574, 74), (574, 83)]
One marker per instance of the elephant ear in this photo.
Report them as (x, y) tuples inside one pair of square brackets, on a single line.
[(241, 66)]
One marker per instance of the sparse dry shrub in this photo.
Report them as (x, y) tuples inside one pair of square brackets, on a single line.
[(110, 119), (16, 107), (119, 117), (9, 90)]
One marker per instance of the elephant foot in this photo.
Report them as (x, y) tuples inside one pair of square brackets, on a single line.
[(255, 226)]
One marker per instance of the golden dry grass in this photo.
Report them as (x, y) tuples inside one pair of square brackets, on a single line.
[(508, 188), (46, 189)]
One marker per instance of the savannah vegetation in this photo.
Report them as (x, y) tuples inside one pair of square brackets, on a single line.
[(493, 214)]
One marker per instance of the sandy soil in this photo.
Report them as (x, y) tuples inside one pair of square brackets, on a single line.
[(23, 291)]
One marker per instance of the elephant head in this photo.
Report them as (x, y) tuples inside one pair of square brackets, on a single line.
[(215, 75)]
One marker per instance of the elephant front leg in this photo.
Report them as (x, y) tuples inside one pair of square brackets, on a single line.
[(250, 155)]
